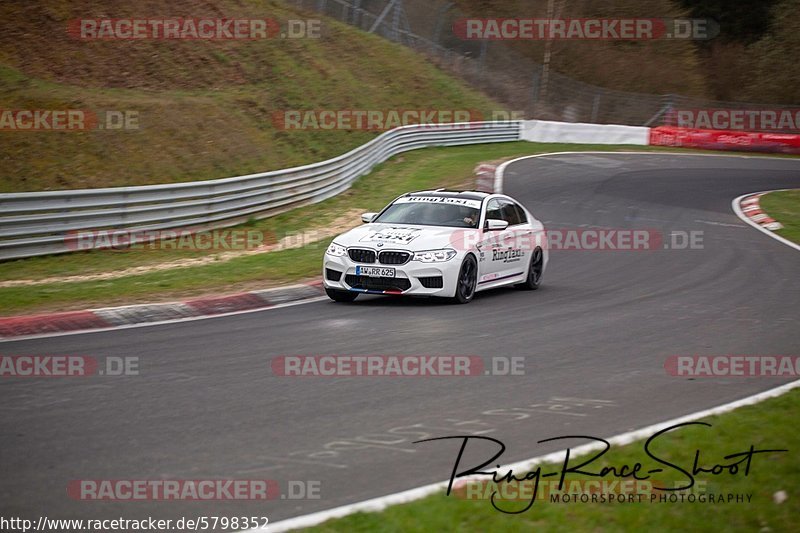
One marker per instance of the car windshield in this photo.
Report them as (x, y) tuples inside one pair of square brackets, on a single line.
[(433, 211)]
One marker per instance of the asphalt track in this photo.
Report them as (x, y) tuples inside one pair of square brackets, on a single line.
[(594, 338)]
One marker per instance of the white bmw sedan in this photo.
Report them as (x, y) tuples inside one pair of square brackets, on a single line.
[(438, 243)]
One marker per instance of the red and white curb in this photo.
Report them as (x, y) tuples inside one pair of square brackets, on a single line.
[(152, 314), (752, 209), (748, 209)]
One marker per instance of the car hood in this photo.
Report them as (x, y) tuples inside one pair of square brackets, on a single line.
[(403, 236)]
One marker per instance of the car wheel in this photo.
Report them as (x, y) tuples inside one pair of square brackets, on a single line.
[(535, 270), (341, 296), (467, 280)]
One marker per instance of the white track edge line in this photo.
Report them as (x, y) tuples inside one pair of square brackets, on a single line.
[(381, 503)]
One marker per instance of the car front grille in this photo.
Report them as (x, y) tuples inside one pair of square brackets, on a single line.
[(394, 258), (377, 284), (333, 275), (360, 255), (432, 282)]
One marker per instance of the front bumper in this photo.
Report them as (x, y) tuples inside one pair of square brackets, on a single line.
[(410, 278)]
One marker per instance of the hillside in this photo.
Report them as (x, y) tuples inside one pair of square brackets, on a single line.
[(204, 108)]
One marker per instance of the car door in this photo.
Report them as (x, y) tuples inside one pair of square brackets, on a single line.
[(515, 252), (503, 253)]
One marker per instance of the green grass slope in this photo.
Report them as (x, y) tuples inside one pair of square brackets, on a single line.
[(205, 107)]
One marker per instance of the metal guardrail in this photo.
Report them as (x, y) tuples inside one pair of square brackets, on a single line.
[(40, 223)]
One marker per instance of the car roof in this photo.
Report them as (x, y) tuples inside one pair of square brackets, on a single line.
[(447, 193)]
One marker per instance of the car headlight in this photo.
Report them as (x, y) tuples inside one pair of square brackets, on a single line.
[(435, 256), (336, 250)]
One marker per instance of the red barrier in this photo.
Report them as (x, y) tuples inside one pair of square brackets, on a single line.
[(742, 141)]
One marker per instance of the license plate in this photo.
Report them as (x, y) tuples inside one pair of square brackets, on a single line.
[(378, 272)]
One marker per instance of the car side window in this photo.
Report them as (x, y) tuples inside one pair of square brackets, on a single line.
[(523, 218), (509, 211), (493, 210)]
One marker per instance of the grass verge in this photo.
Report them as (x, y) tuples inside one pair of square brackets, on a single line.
[(784, 206), (765, 426)]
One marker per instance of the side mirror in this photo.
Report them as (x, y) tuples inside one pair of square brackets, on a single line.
[(366, 218), (494, 224)]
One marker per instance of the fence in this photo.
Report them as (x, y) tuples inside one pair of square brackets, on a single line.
[(48, 222), (506, 74)]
